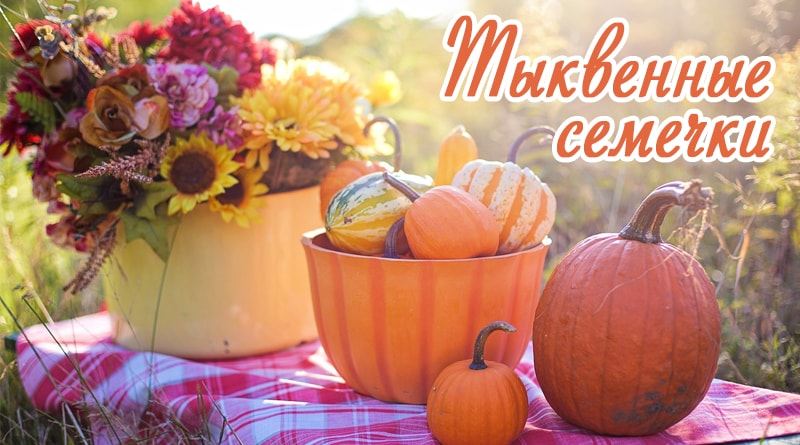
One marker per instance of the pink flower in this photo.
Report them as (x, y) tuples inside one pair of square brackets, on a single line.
[(224, 127), (189, 90), (211, 36)]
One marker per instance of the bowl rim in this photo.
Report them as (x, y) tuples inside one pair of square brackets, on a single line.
[(311, 235)]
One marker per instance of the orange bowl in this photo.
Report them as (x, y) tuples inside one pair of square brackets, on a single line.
[(389, 326)]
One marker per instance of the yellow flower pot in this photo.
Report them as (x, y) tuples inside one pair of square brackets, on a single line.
[(227, 291)]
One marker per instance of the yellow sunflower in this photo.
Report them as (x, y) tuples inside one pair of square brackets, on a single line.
[(237, 202), (304, 105), (199, 169)]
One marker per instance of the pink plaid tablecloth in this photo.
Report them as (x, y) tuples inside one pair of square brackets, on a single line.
[(296, 397)]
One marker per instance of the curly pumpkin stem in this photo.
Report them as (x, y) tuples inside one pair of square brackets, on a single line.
[(398, 145), (410, 193), (542, 129), (645, 224), (393, 239), (478, 362)]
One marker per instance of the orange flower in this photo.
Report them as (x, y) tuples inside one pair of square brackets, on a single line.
[(113, 119)]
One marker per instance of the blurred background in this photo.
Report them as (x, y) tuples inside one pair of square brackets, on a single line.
[(749, 243)]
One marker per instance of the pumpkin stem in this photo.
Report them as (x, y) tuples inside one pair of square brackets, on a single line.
[(512, 152), (390, 247), (410, 193), (478, 362), (645, 224), (398, 145)]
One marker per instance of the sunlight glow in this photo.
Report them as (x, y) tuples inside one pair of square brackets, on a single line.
[(305, 19)]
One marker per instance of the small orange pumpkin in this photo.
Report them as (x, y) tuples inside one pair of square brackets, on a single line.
[(446, 223), (457, 149), (349, 170), (627, 333), (478, 402), (523, 205)]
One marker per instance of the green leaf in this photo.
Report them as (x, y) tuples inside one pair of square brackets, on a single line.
[(40, 109), (153, 194), (157, 232), (227, 81), (82, 189)]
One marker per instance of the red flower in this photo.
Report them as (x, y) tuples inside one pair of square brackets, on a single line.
[(17, 129), (211, 36), (145, 34), (27, 37)]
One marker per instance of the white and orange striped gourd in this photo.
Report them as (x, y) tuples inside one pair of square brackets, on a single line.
[(523, 205)]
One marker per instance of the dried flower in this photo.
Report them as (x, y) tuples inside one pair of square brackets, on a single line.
[(100, 252), (133, 81), (113, 119), (189, 90), (211, 36), (140, 167)]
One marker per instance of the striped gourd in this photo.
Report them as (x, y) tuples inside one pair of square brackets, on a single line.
[(360, 215), (523, 205)]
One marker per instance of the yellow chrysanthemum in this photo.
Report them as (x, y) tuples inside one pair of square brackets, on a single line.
[(385, 89), (304, 105), (237, 202), (199, 169)]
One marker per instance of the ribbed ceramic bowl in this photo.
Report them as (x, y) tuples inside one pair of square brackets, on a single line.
[(389, 326)]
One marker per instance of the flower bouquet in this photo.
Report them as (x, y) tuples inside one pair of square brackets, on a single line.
[(188, 153)]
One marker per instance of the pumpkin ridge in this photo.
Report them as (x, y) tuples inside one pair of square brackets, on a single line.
[(603, 366), (700, 324), (531, 189), (490, 188), (641, 353), (469, 170), (541, 215), (513, 212), (507, 186), (673, 314), (557, 378)]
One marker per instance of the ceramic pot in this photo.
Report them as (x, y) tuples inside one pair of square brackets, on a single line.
[(228, 291), (389, 326)]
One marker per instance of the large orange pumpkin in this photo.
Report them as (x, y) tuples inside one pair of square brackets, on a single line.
[(478, 402), (627, 334), (349, 170), (523, 205), (444, 223)]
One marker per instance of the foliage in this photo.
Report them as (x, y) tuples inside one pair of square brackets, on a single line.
[(38, 108)]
